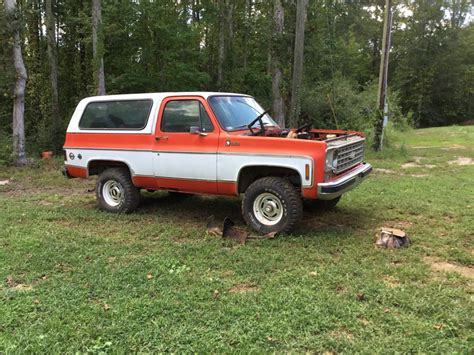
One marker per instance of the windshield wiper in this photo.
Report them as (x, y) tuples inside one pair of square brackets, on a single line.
[(259, 119)]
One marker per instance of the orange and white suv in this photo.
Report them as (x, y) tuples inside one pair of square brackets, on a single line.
[(210, 143)]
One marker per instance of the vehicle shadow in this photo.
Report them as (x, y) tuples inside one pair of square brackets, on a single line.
[(194, 210)]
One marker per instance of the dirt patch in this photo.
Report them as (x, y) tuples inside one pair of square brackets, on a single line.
[(13, 285), (410, 165), (391, 281), (461, 161), (341, 333), (384, 171), (415, 164), (440, 265), (243, 288), (419, 175), (457, 146), (454, 146)]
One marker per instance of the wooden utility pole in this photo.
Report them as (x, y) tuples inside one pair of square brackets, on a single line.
[(19, 155), (297, 79), (382, 114)]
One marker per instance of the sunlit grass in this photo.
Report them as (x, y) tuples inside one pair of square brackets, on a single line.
[(154, 281)]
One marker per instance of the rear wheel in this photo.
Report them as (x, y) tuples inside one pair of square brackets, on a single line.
[(115, 191), (272, 204)]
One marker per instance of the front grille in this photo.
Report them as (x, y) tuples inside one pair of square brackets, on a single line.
[(349, 156)]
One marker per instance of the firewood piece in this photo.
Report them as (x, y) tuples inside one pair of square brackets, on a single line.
[(229, 231), (212, 227), (392, 238)]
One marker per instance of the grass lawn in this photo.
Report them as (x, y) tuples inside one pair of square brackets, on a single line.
[(73, 278)]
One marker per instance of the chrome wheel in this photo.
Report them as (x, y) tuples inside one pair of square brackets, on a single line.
[(268, 209), (113, 194)]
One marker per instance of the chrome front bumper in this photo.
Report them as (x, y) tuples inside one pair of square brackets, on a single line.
[(332, 189)]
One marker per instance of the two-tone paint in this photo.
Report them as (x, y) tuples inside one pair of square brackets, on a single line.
[(207, 164)]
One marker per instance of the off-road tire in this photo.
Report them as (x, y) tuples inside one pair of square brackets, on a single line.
[(323, 205), (291, 202), (130, 194)]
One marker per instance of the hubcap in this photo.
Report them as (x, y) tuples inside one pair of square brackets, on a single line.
[(113, 193), (268, 209)]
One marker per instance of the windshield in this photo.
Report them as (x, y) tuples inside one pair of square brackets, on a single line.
[(236, 112)]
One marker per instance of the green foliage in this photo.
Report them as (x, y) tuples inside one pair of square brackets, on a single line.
[(173, 46), (5, 148), (338, 103), (433, 61)]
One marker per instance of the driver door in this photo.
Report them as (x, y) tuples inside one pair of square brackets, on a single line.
[(185, 147)]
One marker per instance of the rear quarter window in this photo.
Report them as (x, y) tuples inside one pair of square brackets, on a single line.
[(119, 115)]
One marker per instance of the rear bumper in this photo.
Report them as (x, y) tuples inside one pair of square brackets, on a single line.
[(332, 189)]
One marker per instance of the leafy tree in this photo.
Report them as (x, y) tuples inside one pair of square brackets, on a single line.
[(176, 45)]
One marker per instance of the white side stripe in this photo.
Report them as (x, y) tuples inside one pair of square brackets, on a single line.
[(193, 166)]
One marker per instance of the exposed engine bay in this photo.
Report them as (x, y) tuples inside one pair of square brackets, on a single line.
[(332, 137)]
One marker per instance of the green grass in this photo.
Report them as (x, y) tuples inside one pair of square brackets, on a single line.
[(153, 281)]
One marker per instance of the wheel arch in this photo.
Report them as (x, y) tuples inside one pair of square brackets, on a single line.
[(250, 173), (96, 166)]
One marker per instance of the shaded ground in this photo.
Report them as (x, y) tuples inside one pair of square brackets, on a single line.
[(73, 278)]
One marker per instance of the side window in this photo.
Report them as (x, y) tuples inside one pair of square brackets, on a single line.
[(125, 114), (181, 115)]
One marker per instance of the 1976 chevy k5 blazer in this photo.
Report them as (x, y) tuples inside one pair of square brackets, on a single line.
[(209, 143)]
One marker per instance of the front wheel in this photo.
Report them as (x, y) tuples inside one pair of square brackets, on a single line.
[(115, 191), (272, 204)]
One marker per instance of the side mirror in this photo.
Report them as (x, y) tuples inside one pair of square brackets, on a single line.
[(196, 130)]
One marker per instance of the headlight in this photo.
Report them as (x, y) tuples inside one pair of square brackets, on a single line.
[(331, 160), (334, 160)]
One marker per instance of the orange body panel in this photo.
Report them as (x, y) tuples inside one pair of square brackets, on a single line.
[(216, 142), (75, 171), (127, 141)]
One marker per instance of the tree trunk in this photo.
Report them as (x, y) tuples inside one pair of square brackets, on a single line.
[(98, 47), (247, 28), (278, 23), (221, 45), (19, 155), (296, 82), (56, 126)]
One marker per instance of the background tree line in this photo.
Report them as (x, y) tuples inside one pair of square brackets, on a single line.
[(315, 60)]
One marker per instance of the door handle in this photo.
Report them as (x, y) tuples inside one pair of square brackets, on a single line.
[(161, 138)]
